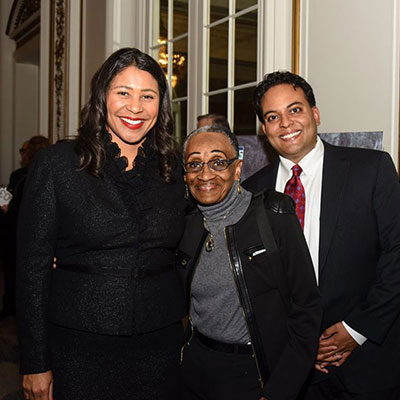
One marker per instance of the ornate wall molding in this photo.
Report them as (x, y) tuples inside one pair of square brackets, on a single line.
[(24, 20), (58, 69)]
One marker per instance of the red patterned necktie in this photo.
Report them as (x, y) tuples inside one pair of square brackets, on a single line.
[(295, 189)]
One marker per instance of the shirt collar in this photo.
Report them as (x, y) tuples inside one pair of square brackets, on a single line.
[(309, 163)]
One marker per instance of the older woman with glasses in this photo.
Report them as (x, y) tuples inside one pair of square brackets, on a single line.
[(254, 307)]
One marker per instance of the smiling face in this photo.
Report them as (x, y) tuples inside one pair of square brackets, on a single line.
[(290, 123), (132, 108), (208, 186)]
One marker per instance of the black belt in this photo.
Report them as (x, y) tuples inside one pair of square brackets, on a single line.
[(134, 273), (216, 345)]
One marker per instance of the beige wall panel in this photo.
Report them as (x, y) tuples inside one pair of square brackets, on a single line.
[(94, 41), (349, 52), (26, 113), (7, 47)]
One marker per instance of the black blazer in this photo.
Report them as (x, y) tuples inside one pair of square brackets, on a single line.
[(114, 238), (359, 259)]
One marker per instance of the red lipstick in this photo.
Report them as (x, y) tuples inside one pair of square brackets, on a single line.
[(132, 123)]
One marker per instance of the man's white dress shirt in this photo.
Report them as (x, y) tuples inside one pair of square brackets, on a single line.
[(311, 178)]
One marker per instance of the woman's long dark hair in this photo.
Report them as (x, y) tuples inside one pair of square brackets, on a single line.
[(90, 143)]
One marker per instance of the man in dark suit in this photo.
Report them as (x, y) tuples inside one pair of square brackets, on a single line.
[(348, 202)]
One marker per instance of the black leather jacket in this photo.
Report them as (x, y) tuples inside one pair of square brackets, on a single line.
[(277, 289)]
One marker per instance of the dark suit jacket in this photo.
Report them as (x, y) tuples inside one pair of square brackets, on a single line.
[(359, 259), (115, 229)]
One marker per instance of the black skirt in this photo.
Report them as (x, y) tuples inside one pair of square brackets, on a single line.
[(98, 367)]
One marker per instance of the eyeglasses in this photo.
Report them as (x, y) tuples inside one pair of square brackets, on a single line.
[(215, 165)]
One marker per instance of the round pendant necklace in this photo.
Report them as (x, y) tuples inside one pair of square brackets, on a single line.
[(210, 245)]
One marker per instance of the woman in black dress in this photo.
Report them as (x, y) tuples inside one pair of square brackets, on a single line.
[(110, 206)]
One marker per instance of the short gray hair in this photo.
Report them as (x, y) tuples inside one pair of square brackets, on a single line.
[(213, 128)]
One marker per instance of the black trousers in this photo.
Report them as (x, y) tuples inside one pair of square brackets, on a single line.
[(333, 389), (212, 375)]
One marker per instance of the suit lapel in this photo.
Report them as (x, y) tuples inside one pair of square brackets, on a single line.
[(270, 176), (334, 180)]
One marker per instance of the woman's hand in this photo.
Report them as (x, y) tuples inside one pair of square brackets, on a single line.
[(38, 386)]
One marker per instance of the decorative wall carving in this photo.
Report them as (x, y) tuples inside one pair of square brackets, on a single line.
[(23, 24), (27, 9), (24, 20), (58, 57)]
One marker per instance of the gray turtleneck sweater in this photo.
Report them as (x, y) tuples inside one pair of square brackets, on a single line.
[(216, 310)]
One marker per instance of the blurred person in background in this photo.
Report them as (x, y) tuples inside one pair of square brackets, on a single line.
[(16, 188), (212, 119)]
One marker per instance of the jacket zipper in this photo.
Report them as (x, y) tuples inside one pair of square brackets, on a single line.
[(243, 312), (190, 338)]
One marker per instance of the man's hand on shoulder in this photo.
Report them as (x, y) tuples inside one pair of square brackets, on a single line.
[(335, 346)]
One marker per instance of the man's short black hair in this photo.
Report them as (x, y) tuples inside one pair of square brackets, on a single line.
[(278, 78), (217, 119)]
